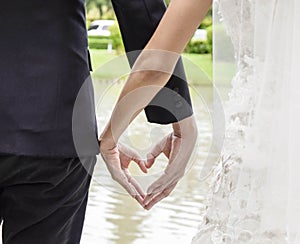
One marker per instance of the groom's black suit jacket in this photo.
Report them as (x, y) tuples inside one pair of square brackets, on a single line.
[(44, 63)]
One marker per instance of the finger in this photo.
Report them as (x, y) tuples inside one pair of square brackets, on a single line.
[(140, 200), (133, 188), (136, 185), (123, 181), (133, 192), (160, 196), (162, 181), (155, 152), (141, 164), (164, 146), (150, 160), (113, 165), (134, 156), (157, 187)]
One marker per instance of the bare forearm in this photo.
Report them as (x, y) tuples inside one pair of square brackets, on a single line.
[(156, 63), (178, 25)]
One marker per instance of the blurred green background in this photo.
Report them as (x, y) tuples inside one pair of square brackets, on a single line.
[(106, 47)]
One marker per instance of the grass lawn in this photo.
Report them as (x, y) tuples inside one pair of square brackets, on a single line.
[(100, 57), (108, 66), (204, 61)]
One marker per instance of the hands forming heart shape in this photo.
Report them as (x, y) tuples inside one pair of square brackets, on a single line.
[(177, 147)]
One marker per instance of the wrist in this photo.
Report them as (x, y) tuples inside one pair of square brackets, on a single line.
[(176, 130), (186, 128), (107, 141)]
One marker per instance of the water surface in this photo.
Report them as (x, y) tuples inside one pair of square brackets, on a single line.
[(114, 218)]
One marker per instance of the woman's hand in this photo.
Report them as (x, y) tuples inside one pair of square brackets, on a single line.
[(150, 73), (117, 159), (177, 147)]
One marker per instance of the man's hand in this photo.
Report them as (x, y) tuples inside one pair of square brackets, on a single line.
[(117, 160), (177, 147)]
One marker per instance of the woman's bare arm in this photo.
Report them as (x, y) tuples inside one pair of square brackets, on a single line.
[(155, 65)]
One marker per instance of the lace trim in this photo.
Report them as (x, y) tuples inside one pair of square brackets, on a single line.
[(231, 216)]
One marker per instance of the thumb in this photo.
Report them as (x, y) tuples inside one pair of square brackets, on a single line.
[(150, 160), (141, 163), (128, 154), (135, 156), (153, 154), (156, 151)]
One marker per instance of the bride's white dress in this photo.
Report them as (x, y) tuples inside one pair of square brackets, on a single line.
[(255, 192)]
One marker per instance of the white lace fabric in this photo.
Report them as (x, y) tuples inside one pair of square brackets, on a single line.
[(255, 191)]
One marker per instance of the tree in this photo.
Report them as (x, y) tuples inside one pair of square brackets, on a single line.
[(103, 6)]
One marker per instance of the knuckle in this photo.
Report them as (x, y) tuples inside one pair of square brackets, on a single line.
[(150, 155)]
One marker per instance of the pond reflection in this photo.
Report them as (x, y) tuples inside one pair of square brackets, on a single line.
[(115, 218)]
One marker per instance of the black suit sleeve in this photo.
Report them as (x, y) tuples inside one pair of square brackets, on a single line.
[(138, 20)]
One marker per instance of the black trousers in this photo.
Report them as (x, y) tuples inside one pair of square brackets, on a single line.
[(43, 200)]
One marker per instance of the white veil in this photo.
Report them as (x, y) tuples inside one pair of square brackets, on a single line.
[(255, 194)]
